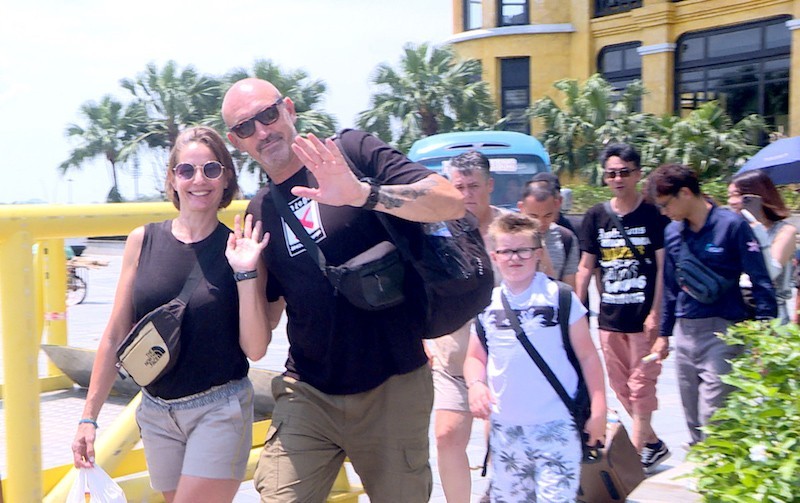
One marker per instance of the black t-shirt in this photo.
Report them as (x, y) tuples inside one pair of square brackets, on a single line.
[(627, 284), (334, 346), (210, 353)]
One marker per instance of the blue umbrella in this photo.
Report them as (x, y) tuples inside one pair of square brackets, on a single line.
[(780, 160)]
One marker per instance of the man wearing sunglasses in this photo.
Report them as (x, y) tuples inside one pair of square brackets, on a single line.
[(357, 383), (630, 290)]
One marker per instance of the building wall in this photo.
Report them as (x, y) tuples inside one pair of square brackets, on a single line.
[(564, 40)]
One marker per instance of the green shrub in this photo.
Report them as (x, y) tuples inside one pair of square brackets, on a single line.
[(585, 196), (752, 452)]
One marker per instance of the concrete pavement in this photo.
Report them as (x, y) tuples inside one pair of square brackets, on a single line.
[(61, 410)]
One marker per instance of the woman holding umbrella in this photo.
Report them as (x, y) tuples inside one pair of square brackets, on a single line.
[(755, 192)]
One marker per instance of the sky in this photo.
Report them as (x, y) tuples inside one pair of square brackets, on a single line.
[(56, 55)]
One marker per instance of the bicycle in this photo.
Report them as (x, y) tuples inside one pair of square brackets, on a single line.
[(76, 284)]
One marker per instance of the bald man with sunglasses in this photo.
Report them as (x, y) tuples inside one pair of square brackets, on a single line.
[(357, 383)]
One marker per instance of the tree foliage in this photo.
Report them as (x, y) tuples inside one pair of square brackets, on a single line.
[(109, 131), (594, 115), (430, 92)]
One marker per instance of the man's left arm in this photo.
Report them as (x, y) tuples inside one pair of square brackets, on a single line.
[(430, 199), (653, 320)]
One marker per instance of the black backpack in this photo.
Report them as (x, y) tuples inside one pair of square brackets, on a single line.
[(453, 273)]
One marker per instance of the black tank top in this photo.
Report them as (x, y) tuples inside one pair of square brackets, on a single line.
[(210, 354)]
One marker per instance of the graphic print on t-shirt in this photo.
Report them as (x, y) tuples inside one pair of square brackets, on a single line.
[(623, 282), (307, 212), (540, 316)]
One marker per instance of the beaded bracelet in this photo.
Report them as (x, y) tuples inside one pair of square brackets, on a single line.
[(89, 421)]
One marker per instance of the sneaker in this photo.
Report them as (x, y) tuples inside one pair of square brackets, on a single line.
[(653, 455)]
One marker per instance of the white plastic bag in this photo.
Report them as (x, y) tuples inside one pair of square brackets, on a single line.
[(95, 482)]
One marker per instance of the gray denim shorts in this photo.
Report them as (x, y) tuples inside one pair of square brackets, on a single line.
[(206, 435)]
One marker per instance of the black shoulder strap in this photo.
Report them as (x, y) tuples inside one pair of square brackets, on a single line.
[(564, 309), (291, 220), (536, 357), (618, 223), (191, 283)]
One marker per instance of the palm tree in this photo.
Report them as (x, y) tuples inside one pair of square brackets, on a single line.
[(707, 140), (109, 132), (306, 94), (173, 99), (593, 116), (431, 92)]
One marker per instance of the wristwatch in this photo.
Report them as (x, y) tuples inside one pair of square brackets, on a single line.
[(241, 276), (372, 198)]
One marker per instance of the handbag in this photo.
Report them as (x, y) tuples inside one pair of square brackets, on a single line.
[(372, 280), (152, 346), (616, 471), (100, 487), (698, 280)]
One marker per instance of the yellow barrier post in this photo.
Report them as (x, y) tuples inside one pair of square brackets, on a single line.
[(54, 278), (20, 365), (111, 448)]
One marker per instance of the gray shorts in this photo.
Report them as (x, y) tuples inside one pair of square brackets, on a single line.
[(449, 392), (206, 435)]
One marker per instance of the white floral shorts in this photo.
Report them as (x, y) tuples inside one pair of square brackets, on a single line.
[(538, 463)]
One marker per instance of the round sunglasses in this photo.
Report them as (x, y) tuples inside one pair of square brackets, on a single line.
[(266, 117), (211, 170)]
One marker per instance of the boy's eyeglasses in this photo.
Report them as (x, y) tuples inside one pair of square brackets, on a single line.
[(211, 170), (523, 253), (623, 173), (266, 117)]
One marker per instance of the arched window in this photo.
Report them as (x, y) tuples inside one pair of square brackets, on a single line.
[(744, 67)]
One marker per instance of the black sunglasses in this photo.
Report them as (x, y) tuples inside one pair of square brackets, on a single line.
[(623, 173), (266, 117), (211, 170)]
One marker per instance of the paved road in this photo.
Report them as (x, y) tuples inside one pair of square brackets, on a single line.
[(61, 410)]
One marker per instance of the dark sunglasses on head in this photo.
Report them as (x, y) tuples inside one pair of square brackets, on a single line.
[(623, 173), (211, 170), (266, 117)]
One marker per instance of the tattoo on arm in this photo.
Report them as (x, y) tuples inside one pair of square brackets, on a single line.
[(391, 196)]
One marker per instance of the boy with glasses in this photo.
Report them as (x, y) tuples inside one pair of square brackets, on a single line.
[(630, 292), (534, 443)]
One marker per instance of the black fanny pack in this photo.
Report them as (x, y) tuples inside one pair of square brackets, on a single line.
[(372, 280), (698, 280)]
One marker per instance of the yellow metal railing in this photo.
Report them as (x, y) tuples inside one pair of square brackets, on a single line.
[(32, 308)]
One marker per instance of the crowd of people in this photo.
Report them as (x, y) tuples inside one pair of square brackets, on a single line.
[(362, 384)]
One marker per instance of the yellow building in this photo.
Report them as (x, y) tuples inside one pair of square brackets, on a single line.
[(739, 52)]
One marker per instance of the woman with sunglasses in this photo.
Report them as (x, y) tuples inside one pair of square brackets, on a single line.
[(196, 420), (754, 192)]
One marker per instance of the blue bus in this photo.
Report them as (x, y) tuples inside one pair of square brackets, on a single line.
[(513, 158)]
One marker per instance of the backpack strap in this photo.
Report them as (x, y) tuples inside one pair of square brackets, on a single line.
[(564, 308)]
